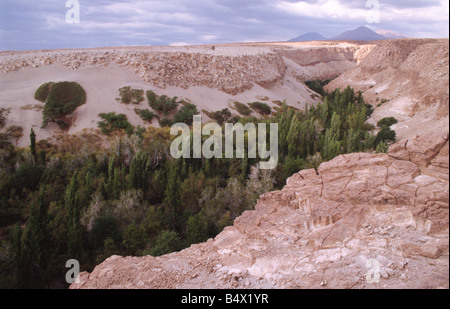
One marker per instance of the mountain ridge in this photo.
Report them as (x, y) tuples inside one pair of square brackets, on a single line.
[(361, 33)]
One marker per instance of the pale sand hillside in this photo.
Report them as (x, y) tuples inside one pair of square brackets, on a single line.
[(211, 78)]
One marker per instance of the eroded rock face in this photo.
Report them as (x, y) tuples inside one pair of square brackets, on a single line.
[(232, 69), (359, 218)]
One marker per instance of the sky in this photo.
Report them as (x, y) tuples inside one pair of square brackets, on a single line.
[(52, 24)]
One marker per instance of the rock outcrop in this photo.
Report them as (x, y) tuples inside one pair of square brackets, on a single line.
[(229, 68), (406, 79), (359, 221)]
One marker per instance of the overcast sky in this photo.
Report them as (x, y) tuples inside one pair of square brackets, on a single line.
[(42, 24)]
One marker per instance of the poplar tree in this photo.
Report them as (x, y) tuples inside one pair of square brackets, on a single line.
[(33, 145), (72, 203)]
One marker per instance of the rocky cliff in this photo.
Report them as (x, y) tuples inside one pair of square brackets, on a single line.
[(359, 221), (406, 79)]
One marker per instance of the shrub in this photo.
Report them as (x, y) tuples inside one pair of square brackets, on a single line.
[(382, 147), (63, 99), (243, 109), (387, 122), (113, 122), (162, 104), (386, 135), (318, 86), (261, 108), (186, 114), (3, 113), (43, 91), (221, 116), (15, 132), (128, 95), (166, 122), (145, 114)]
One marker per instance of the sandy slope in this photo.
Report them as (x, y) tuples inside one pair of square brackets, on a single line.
[(211, 78)]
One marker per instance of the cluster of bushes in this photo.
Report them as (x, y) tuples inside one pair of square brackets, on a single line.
[(112, 122), (61, 99), (184, 115), (386, 135), (242, 109), (131, 96), (145, 114), (162, 104), (318, 86), (3, 113), (261, 108)]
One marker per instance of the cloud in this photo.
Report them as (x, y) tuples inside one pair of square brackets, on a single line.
[(41, 24)]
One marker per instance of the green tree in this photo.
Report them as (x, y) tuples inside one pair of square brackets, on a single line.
[(35, 245), (72, 204), (33, 145), (166, 242), (134, 238), (333, 144)]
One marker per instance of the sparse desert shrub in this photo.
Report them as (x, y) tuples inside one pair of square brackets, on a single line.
[(63, 99), (387, 122), (318, 85), (242, 109), (166, 122), (2, 117), (382, 147), (15, 132), (113, 122), (221, 116), (162, 104), (186, 114), (145, 114), (128, 95), (261, 108), (385, 135)]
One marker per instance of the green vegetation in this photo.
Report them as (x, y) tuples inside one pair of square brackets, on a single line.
[(145, 114), (186, 114), (131, 96), (61, 99), (43, 92), (15, 132), (318, 86), (386, 134), (387, 122), (162, 104), (3, 113), (113, 122), (261, 108), (242, 109), (220, 117), (78, 200)]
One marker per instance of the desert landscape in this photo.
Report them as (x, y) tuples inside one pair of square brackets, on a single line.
[(364, 219), (321, 229)]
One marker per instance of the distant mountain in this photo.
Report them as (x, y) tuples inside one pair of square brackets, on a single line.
[(392, 34), (310, 36), (360, 34)]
